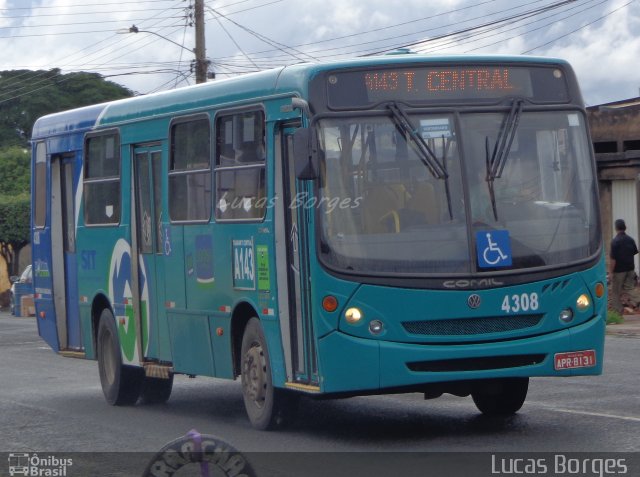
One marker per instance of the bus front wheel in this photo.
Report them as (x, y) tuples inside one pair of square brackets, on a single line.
[(120, 383), (266, 406), (501, 398)]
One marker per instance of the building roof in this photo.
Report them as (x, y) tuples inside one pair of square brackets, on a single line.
[(621, 104)]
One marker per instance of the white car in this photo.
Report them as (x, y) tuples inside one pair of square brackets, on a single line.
[(25, 277)]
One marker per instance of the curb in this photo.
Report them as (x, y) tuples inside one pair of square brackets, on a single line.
[(630, 328)]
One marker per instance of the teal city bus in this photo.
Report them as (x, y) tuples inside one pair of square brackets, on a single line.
[(390, 224)]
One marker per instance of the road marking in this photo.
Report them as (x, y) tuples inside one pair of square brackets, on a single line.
[(588, 413)]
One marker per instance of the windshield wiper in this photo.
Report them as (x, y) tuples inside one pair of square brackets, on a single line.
[(427, 156), (498, 159)]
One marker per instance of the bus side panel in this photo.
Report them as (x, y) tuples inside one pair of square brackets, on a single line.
[(174, 270), (86, 328), (191, 344), (105, 270), (221, 345), (47, 328)]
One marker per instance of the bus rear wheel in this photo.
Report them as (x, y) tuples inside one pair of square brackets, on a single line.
[(156, 390), (503, 397), (266, 406), (120, 383)]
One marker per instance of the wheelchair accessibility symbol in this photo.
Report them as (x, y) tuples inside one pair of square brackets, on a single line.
[(493, 248)]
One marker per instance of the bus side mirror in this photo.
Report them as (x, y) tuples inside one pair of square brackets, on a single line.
[(305, 155)]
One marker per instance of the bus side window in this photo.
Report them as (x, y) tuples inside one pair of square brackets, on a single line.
[(190, 170), (102, 179), (240, 166)]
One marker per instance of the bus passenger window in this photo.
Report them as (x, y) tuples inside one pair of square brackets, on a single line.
[(240, 166), (190, 171), (102, 180)]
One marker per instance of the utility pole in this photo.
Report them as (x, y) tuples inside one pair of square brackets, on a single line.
[(201, 56)]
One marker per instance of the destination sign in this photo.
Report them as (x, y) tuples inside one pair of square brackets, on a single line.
[(445, 84)]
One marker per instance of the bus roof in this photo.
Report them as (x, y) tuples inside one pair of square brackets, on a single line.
[(66, 122), (291, 80), (284, 80)]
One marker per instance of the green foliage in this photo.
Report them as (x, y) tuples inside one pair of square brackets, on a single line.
[(26, 95), (15, 210), (614, 318), (14, 170), (15, 219), (15, 213)]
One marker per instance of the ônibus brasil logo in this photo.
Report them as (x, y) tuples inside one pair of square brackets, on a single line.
[(120, 287), (23, 463)]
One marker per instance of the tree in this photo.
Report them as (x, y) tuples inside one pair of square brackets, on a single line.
[(27, 95), (15, 212), (14, 170), (14, 203), (24, 97)]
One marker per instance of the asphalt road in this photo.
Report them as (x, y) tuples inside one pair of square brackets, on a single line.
[(55, 404)]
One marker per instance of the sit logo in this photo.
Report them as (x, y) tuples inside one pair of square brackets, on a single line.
[(22, 463)]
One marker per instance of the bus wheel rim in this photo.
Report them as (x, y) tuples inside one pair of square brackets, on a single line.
[(254, 375)]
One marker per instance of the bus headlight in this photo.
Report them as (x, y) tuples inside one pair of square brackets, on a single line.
[(353, 315), (583, 302)]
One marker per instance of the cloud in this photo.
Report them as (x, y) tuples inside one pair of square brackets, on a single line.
[(603, 54)]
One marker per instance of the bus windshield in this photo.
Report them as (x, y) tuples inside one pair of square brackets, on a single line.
[(385, 211)]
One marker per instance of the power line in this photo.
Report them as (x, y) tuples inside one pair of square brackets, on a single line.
[(16, 90), (59, 14), (246, 9), (497, 24), (279, 46), (395, 37), (184, 34), (401, 24), (484, 25), (235, 42), (19, 27), (497, 30), (84, 4), (580, 28)]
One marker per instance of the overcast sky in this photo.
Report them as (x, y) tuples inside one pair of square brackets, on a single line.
[(598, 37)]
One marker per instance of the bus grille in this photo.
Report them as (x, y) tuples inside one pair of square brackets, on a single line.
[(477, 364), (471, 326)]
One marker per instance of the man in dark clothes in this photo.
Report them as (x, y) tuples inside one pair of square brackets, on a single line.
[(622, 267)]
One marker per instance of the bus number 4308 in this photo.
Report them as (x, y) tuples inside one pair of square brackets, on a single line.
[(522, 302)]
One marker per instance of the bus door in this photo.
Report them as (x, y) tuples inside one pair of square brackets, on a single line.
[(63, 251), (147, 241), (297, 238)]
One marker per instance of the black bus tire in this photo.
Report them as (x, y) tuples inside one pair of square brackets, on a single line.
[(156, 390), (267, 407), (120, 383), (506, 400)]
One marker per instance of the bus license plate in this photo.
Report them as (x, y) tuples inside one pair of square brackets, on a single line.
[(575, 359)]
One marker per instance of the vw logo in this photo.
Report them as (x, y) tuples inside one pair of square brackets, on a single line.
[(473, 301)]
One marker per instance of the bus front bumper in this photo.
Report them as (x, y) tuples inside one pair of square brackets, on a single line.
[(349, 364)]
